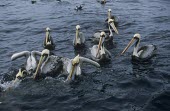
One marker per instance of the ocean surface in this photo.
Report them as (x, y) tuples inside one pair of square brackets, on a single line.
[(119, 85)]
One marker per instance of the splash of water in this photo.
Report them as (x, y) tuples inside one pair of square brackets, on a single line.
[(9, 85)]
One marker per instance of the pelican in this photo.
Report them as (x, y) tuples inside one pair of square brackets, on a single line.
[(99, 52), (48, 42), (73, 66), (48, 65), (31, 62), (143, 53), (109, 35), (54, 64), (114, 18), (79, 40)]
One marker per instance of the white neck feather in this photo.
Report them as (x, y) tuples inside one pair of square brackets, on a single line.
[(135, 50)]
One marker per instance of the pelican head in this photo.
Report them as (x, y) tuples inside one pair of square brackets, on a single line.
[(135, 37), (109, 13), (111, 23), (47, 29), (101, 41), (21, 73), (75, 68), (78, 27), (44, 57)]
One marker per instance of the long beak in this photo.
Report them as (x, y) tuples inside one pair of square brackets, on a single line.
[(47, 36), (77, 33), (38, 67), (71, 73), (100, 43), (114, 27), (109, 15), (130, 43)]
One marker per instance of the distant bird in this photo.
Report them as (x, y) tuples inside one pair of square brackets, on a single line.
[(143, 53), (56, 65), (109, 33), (31, 62), (79, 7), (99, 52), (101, 1), (79, 39), (33, 1), (48, 42), (114, 18)]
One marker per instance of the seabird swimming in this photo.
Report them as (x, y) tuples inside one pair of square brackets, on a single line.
[(109, 33), (57, 65), (102, 1), (143, 53), (114, 18), (79, 7), (79, 39), (48, 41), (99, 52), (31, 62), (33, 1)]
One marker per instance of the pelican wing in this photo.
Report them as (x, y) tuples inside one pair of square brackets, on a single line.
[(97, 35), (20, 54), (82, 38), (83, 59), (107, 52), (36, 53), (146, 51), (94, 50)]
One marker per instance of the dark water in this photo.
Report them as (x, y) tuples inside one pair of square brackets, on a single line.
[(119, 85)]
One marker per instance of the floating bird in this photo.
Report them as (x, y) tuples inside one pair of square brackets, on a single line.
[(102, 1), (48, 42), (79, 7), (143, 53), (33, 1), (31, 62), (48, 65), (115, 19), (109, 35), (79, 40), (56, 65), (99, 52)]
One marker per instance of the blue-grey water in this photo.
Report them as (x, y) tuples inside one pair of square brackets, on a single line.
[(118, 85)]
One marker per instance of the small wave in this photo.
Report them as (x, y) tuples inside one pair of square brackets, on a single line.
[(9, 85)]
